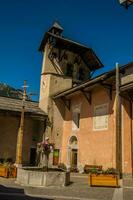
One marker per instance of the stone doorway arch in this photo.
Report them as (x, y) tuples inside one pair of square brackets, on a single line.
[(73, 152)]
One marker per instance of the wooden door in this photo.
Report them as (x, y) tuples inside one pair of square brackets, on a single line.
[(32, 156), (74, 158), (56, 157)]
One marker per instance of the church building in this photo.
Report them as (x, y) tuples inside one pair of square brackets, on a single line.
[(89, 118)]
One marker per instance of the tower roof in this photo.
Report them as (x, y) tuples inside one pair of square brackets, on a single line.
[(87, 54), (56, 25)]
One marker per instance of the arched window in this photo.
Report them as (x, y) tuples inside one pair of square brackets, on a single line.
[(73, 141)]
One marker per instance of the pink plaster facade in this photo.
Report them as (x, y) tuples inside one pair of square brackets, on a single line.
[(127, 124), (96, 147), (62, 72)]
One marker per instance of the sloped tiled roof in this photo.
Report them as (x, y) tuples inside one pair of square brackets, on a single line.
[(11, 104), (8, 91)]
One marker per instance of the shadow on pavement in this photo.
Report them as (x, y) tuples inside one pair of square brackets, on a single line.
[(7, 193)]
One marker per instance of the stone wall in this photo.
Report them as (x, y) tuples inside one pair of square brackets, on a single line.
[(51, 85), (9, 126), (33, 177)]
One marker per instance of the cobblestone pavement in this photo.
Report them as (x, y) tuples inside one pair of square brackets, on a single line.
[(128, 189), (77, 190)]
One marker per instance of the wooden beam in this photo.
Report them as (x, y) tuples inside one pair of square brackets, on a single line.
[(127, 95), (87, 95), (19, 148), (108, 88), (66, 102), (131, 127), (130, 96)]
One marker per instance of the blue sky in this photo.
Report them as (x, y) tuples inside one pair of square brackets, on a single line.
[(103, 25)]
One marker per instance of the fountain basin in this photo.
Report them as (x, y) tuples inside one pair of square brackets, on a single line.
[(30, 176)]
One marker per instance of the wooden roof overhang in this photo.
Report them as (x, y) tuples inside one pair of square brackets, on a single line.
[(87, 54), (12, 113), (99, 79), (13, 107), (107, 80), (87, 87), (126, 91)]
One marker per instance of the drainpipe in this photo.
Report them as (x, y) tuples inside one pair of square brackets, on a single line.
[(118, 124), (131, 125)]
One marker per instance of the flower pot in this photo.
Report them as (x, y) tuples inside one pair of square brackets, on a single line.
[(108, 180), (3, 171), (12, 172), (8, 172)]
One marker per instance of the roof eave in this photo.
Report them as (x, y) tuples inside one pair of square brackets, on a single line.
[(94, 81), (86, 84), (96, 59)]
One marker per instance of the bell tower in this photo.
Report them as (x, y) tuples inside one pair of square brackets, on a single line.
[(66, 63), (53, 80)]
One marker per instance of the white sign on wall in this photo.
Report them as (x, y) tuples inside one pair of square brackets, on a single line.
[(100, 117)]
